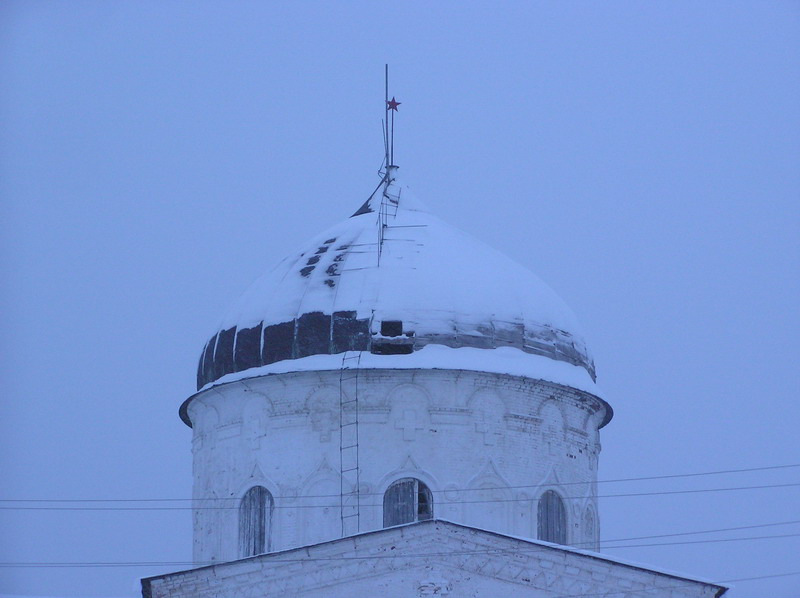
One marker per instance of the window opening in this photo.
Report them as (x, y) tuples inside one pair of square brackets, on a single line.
[(392, 340), (552, 518), (406, 501), (255, 521), (391, 328)]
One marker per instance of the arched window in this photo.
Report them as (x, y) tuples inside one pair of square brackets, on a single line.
[(255, 521), (552, 518), (588, 529), (406, 501)]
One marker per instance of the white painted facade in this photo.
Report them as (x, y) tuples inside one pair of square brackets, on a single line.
[(394, 351), (432, 558), (487, 445)]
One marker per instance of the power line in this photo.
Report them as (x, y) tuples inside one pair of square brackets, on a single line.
[(192, 564), (709, 541), (465, 489), (425, 555), (330, 506), (97, 564), (702, 473), (761, 577), (704, 531), (578, 545), (675, 587), (582, 595)]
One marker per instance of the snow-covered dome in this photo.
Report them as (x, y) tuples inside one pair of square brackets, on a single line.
[(408, 290)]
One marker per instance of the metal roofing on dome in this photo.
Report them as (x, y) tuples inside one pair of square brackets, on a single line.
[(392, 279)]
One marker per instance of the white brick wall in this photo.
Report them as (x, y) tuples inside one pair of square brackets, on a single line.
[(511, 438)]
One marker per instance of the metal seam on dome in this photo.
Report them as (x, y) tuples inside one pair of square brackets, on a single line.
[(346, 332)]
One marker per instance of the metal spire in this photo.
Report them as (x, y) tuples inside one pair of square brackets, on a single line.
[(390, 107), (386, 120)]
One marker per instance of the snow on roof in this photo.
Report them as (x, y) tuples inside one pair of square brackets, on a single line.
[(503, 360), (470, 540), (392, 278)]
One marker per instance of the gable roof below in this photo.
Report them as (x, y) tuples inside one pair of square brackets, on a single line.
[(433, 557)]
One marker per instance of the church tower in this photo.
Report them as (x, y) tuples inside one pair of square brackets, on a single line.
[(393, 369), (397, 409)]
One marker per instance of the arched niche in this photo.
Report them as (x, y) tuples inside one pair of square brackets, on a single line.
[(323, 406), (589, 525), (552, 418), (488, 412), (488, 500), (319, 508), (410, 410), (255, 420)]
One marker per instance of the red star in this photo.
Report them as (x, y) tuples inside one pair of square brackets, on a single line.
[(393, 104)]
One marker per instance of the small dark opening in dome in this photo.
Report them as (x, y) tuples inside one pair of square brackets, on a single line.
[(387, 348), (391, 328)]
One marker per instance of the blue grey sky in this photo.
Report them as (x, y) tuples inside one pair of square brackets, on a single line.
[(642, 158)]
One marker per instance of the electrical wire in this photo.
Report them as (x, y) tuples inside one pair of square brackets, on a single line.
[(332, 506), (426, 555), (692, 533), (465, 489), (605, 542), (539, 548), (709, 541), (98, 564), (675, 587)]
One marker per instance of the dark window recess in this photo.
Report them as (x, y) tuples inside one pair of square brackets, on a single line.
[(248, 348), (305, 271), (223, 354), (392, 341), (406, 501), (384, 348), (322, 249), (391, 328), (329, 241), (255, 522), (552, 518), (313, 334), (278, 341), (312, 260)]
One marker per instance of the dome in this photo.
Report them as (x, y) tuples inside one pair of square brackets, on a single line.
[(405, 288)]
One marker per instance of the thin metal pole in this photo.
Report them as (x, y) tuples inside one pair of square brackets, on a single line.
[(386, 108)]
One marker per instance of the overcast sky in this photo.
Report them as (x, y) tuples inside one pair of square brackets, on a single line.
[(642, 158)]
